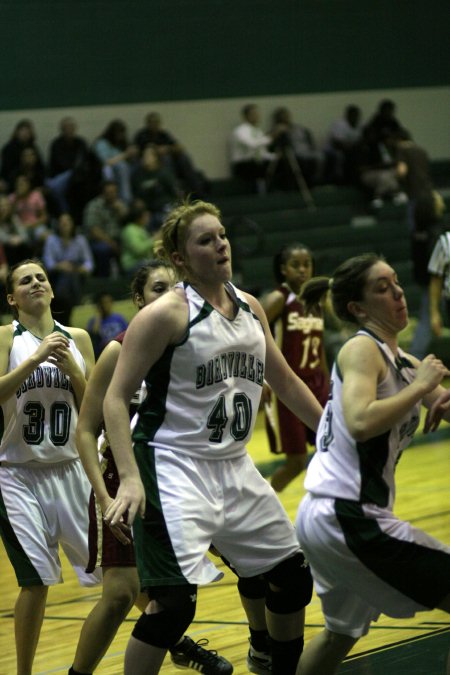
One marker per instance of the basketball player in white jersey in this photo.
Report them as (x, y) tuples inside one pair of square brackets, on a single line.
[(114, 551), (364, 560), (44, 491), (204, 350)]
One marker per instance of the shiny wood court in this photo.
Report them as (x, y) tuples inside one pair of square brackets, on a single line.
[(393, 647)]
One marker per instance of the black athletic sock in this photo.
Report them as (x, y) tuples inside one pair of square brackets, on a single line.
[(72, 671), (259, 640), (285, 656)]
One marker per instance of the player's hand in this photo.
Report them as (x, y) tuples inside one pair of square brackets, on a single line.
[(129, 501), (121, 531), (436, 412), (63, 358), (431, 372), (55, 343)]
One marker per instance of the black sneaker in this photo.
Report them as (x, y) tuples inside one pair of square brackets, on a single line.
[(190, 654), (259, 662)]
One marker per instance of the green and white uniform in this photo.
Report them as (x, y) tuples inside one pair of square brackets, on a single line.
[(44, 491), (190, 438), (364, 560)]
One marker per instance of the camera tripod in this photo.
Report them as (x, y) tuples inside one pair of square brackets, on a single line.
[(287, 153)]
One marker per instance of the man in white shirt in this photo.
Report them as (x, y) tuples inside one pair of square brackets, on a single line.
[(250, 156)]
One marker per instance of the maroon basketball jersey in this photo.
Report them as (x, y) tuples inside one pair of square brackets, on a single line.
[(299, 337)]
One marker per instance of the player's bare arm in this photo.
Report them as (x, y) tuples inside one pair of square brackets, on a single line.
[(91, 417), (273, 305), (363, 367), (152, 330)]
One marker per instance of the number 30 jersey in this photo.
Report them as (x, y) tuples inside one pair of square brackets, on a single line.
[(38, 422), (203, 393)]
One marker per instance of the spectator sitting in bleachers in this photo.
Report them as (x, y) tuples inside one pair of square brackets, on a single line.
[(249, 153), (105, 324), (53, 188), (413, 167), (288, 134), (22, 137), (375, 156), (68, 149), (31, 165), (343, 135), (68, 153), (14, 235), (103, 218), (117, 155), (156, 185), (136, 242), (377, 170), (30, 207), (68, 259), (384, 123), (172, 155)]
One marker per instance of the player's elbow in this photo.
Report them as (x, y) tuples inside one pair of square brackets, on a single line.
[(361, 436), (359, 429)]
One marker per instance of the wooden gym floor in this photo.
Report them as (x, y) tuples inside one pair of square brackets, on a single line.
[(393, 647)]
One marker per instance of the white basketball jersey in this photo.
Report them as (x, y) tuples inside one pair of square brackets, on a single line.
[(362, 471), (204, 393), (38, 423)]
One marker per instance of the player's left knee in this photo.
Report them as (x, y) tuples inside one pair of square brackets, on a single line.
[(164, 628), (290, 585), (252, 588)]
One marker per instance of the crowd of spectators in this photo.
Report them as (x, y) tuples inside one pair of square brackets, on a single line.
[(118, 189), (112, 195), (365, 155)]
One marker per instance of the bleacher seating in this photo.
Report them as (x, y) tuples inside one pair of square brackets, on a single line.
[(337, 228)]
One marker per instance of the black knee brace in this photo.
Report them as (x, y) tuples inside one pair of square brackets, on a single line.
[(165, 628), (293, 579), (252, 587)]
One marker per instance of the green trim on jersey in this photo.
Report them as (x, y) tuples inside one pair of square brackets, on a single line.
[(373, 455), (155, 557), (203, 314), (418, 572), (153, 409), (241, 303), (24, 569), (60, 329), (20, 328)]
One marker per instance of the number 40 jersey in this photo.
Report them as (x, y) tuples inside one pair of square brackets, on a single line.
[(204, 393), (38, 422)]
